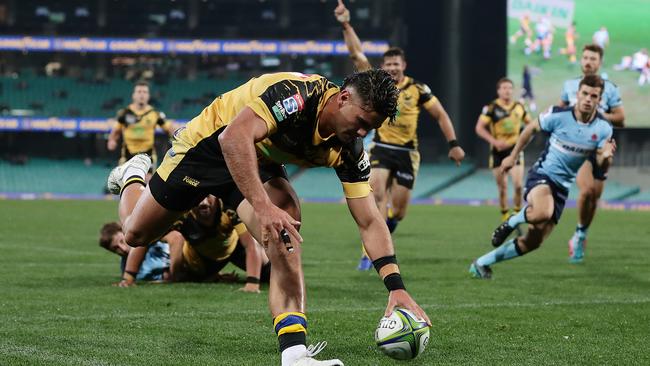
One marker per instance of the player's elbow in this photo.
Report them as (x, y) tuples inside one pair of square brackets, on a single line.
[(135, 238), (227, 137)]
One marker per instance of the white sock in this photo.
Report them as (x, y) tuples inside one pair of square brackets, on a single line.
[(291, 354), (132, 171)]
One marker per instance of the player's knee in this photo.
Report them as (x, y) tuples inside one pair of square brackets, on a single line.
[(589, 193)]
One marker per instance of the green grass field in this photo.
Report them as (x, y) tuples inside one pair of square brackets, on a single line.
[(629, 30), (57, 305)]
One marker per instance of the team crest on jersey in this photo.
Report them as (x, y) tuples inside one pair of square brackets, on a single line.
[(594, 137), (293, 104), (364, 163)]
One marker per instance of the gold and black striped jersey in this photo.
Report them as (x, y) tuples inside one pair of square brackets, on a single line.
[(290, 104), (403, 131), (139, 128), (505, 121), (216, 241)]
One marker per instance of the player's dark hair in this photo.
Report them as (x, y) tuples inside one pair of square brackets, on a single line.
[(395, 51), (377, 91), (594, 48), (504, 80), (107, 232), (593, 81)]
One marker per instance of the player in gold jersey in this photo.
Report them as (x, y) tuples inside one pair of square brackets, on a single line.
[(394, 157), (500, 124), (213, 237), (136, 124), (200, 244), (234, 149)]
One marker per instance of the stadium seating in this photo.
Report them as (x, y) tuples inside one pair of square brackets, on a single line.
[(69, 97), (436, 181), (53, 176), (480, 186)]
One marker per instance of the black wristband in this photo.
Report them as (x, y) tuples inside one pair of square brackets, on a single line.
[(251, 279), (394, 282), (380, 262), (132, 274), (453, 144)]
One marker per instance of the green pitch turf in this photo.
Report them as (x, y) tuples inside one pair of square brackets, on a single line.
[(57, 305), (629, 29)]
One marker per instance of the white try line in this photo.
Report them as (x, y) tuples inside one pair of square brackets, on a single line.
[(312, 310)]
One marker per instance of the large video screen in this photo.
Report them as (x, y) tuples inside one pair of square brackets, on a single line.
[(546, 38)]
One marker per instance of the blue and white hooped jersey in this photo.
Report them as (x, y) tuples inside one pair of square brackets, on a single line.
[(570, 143), (611, 95), (155, 262)]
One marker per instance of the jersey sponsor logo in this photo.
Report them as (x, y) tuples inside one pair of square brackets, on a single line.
[(278, 110), (570, 148), (293, 104)]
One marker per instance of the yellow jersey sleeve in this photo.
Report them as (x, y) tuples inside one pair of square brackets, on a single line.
[(485, 115), (283, 101), (240, 228), (258, 106)]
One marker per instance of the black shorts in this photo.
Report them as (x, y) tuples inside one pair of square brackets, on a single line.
[(188, 173), (403, 164), (559, 193), (496, 157)]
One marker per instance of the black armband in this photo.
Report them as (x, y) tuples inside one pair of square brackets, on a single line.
[(251, 279), (380, 262), (394, 282), (453, 144)]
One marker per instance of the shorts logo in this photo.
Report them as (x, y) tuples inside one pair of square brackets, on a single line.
[(405, 176), (293, 104), (191, 181)]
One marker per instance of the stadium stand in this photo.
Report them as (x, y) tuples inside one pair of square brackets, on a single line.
[(40, 175), (480, 186), (70, 97)]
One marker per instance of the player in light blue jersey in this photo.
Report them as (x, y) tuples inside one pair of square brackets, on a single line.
[(150, 264), (591, 181), (576, 134)]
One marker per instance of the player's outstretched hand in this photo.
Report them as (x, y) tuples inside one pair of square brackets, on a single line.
[(251, 287), (401, 298), (507, 164), (125, 283), (342, 13), (272, 221), (457, 154), (609, 148)]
